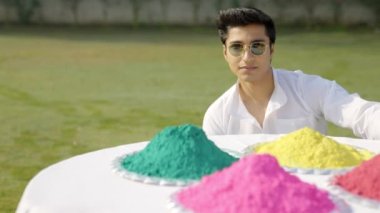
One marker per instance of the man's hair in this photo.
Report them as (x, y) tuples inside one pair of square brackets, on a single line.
[(235, 17)]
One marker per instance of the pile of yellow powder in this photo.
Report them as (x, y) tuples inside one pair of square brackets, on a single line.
[(307, 148)]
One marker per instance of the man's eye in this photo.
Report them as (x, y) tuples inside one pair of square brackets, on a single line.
[(236, 47), (258, 45)]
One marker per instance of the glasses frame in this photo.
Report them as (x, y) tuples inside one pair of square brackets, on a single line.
[(245, 47)]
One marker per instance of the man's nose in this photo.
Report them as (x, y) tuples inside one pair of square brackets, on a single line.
[(247, 54)]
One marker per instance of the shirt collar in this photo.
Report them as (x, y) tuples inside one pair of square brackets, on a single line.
[(278, 98)]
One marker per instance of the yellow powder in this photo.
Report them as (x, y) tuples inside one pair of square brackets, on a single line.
[(307, 148)]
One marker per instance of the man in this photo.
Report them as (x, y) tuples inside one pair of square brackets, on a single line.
[(267, 100)]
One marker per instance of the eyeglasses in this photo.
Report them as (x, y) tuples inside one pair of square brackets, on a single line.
[(256, 48)]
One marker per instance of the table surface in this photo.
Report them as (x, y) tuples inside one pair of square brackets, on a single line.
[(87, 183)]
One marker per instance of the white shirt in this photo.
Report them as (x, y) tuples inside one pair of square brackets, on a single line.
[(298, 100)]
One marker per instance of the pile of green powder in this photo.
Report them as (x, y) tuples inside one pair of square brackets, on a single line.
[(179, 152)]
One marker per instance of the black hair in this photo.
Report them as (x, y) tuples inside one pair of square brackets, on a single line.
[(235, 17)]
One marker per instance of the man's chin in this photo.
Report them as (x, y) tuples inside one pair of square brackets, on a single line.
[(248, 79)]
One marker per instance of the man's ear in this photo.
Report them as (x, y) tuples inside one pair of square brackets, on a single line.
[(271, 49), (271, 52), (225, 51)]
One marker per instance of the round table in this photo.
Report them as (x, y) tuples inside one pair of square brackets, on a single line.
[(87, 183)]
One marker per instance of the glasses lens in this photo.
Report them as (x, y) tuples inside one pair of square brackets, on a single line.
[(235, 49), (257, 48)]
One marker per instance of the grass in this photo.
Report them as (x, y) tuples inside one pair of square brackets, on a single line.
[(66, 91)]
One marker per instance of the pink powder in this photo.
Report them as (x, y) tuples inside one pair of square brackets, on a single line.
[(254, 184), (364, 180)]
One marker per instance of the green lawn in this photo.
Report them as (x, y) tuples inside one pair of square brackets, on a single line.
[(66, 91)]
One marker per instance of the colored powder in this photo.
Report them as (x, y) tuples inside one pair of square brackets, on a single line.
[(254, 184), (179, 152), (364, 180), (307, 148)]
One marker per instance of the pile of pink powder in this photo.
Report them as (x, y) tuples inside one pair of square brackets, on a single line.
[(254, 184), (364, 180)]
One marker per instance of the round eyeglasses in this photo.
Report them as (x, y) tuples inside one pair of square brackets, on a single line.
[(256, 48)]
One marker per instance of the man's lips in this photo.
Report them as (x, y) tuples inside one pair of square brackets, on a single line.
[(248, 67)]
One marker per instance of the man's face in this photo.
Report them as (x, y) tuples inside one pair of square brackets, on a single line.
[(248, 66)]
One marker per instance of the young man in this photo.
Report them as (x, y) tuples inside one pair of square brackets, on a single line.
[(267, 100)]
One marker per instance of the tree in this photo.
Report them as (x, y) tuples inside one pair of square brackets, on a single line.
[(8, 5), (195, 6), (337, 5), (374, 5), (309, 6), (164, 9), (250, 3), (218, 5), (106, 4), (73, 6), (136, 10), (281, 5), (235, 3), (26, 9)]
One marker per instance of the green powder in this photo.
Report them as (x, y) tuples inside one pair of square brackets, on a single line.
[(179, 152)]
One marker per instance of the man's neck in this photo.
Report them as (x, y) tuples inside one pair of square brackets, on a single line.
[(256, 96), (259, 92)]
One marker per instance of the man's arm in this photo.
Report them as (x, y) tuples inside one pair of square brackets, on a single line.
[(343, 109), (350, 110), (212, 121)]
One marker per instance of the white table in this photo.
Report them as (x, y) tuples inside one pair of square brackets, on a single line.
[(86, 183)]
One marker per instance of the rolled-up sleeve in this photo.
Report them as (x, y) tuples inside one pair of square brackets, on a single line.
[(344, 109)]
